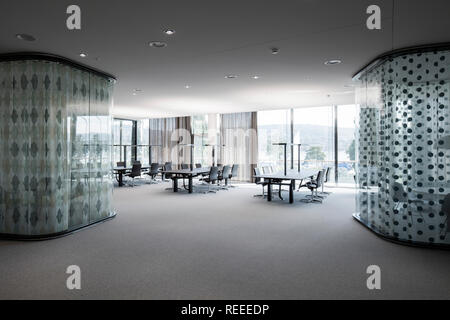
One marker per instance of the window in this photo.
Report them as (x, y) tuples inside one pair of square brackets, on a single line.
[(313, 128), (123, 141), (142, 141), (273, 127), (346, 117)]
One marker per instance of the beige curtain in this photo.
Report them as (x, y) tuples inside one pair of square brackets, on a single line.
[(239, 140)]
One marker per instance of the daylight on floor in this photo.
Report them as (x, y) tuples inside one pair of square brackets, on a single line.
[(239, 150)]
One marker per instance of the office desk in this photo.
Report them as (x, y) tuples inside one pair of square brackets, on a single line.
[(122, 170), (290, 176), (185, 174)]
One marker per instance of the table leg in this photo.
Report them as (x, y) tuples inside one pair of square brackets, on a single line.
[(120, 178), (291, 191), (190, 184), (269, 191), (175, 184)]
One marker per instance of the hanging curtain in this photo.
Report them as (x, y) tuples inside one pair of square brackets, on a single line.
[(183, 137), (161, 134), (239, 142)]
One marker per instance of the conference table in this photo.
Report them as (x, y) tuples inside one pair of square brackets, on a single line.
[(278, 178), (122, 170), (185, 174)]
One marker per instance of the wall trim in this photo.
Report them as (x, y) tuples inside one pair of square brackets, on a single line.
[(417, 244), (17, 56), (442, 46), (17, 237)]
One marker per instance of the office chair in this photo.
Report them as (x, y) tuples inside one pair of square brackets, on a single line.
[(121, 164), (164, 167), (234, 173), (225, 173), (168, 167), (260, 182), (212, 178), (314, 185), (135, 172), (198, 165), (154, 170), (326, 179), (184, 166)]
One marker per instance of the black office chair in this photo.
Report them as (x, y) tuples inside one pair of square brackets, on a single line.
[(121, 164), (234, 173), (223, 176), (184, 166), (314, 185), (154, 170), (168, 167), (135, 172), (260, 182), (198, 165), (326, 179), (212, 178)]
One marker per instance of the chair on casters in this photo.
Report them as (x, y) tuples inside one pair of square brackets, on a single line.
[(314, 185), (154, 170), (135, 172), (234, 173), (198, 165), (212, 178), (223, 176), (260, 182), (326, 179), (168, 167)]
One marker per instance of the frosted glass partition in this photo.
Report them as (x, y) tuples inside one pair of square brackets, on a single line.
[(55, 146), (403, 147)]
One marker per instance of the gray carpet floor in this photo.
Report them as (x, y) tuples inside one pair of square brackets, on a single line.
[(228, 245)]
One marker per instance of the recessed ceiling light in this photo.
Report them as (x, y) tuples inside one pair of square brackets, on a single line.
[(169, 32), (231, 76), (187, 86), (25, 37), (275, 50), (157, 44), (255, 77), (83, 55), (333, 62)]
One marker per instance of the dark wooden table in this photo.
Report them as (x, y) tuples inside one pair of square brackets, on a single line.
[(185, 174), (291, 177)]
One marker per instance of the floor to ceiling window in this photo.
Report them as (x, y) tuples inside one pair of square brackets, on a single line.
[(124, 141), (314, 129), (346, 117), (273, 127), (200, 132), (326, 135), (142, 141)]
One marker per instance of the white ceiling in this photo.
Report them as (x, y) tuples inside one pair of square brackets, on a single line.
[(215, 38)]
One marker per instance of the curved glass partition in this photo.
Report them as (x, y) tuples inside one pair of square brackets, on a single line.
[(55, 146), (403, 148)]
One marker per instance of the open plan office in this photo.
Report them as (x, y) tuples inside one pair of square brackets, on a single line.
[(238, 150)]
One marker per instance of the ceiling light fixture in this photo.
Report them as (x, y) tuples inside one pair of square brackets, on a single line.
[(83, 55), (255, 77), (169, 32), (157, 44), (231, 76), (333, 62), (25, 37), (187, 86), (275, 50)]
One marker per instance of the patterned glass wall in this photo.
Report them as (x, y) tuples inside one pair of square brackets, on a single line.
[(404, 148), (55, 147)]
